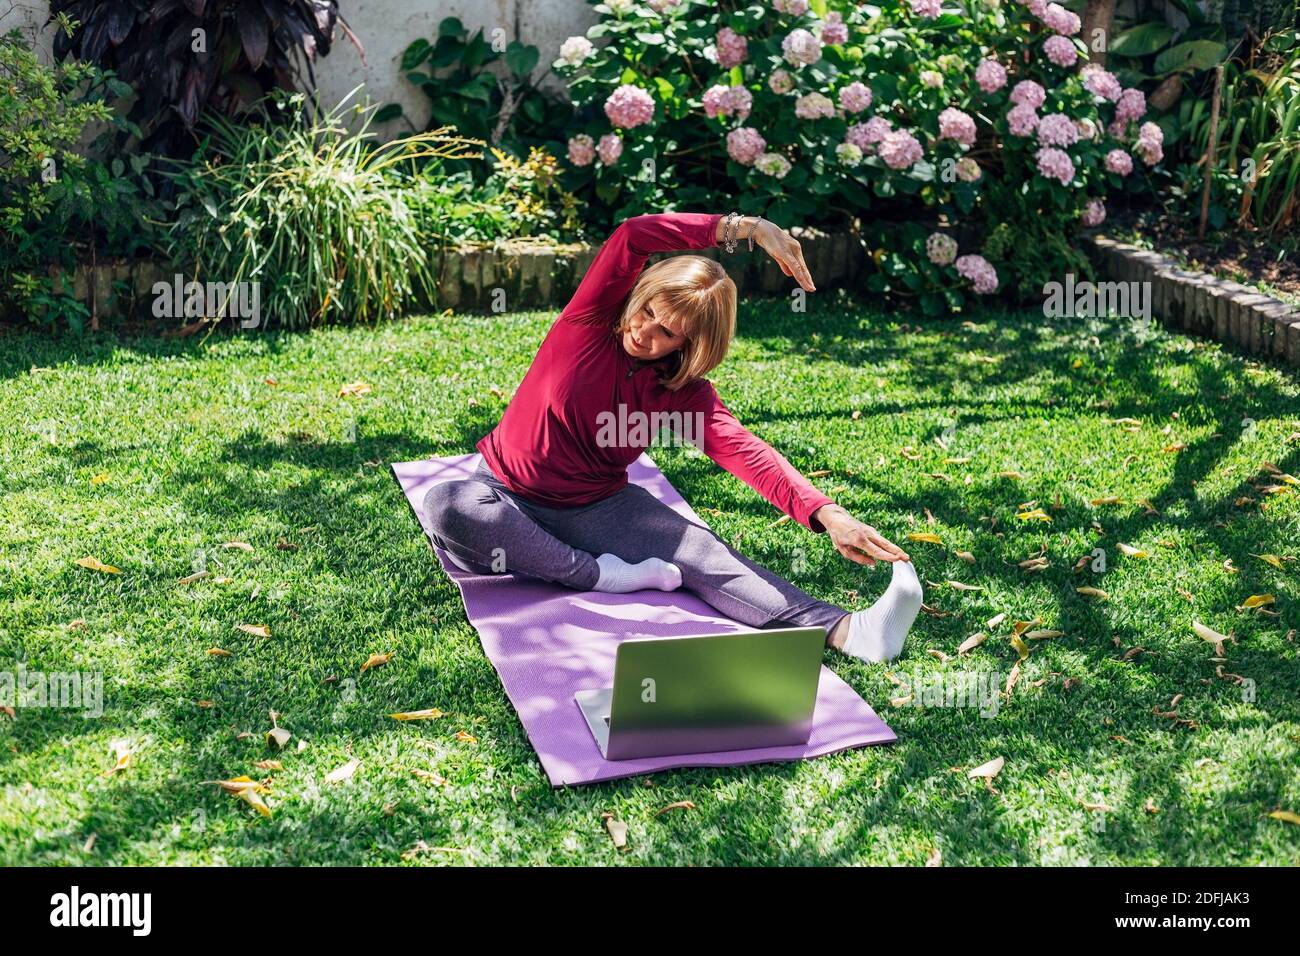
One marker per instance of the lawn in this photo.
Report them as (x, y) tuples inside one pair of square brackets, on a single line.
[(149, 455)]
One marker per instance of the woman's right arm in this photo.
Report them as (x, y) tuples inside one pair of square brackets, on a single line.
[(621, 259)]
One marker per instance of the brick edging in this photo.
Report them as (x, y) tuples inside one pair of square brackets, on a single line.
[(1202, 304)]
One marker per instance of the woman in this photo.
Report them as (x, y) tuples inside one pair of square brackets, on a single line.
[(551, 498)]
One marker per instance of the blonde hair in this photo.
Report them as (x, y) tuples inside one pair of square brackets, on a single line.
[(701, 296)]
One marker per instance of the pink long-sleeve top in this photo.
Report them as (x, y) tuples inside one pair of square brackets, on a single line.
[(549, 446)]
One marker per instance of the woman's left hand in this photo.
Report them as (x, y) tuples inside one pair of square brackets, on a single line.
[(785, 249), (856, 540)]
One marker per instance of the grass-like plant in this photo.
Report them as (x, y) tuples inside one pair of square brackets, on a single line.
[(314, 210)]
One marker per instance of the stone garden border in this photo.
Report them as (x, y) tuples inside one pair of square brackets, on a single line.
[(1202, 304), (508, 276)]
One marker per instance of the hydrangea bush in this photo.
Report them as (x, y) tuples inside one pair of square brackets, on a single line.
[(942, 129)]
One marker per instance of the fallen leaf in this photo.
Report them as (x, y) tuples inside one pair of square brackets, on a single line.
[(345, 772), (431, 713), (972, 642), (616, 829), (375, 660), (218, 652), (1176, 446), (257, 630), (436, 779), (1097, 807), (466, 738), (1208, 634), (926, 536), (1020, 627), (993, 622), (965, 556), (1131, 552), (1013, 475), (269, 765), (1043, 635), (679, 805), (1256, 601), (196, 576), (94, 564), (1037, 514), (1286, 816), (354, 388), (1021, 647), (278, 737), (988, 770), (1271, 559), (1105, 500), (122, 757), (248, 790), (958, 586), (1094, 592), (241, 545), (900, 701)]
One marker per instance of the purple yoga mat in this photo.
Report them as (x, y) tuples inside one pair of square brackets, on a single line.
[(548, 642)]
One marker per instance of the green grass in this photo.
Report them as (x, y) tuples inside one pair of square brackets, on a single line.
[(149, 454)]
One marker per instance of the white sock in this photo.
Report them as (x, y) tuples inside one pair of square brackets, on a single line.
[(877, 633), (619, 577)]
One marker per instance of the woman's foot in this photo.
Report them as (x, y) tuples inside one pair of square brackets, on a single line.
[(619, 577), (876, 634)]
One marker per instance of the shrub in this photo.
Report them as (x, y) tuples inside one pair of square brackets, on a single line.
[(901, 116), (186, 56), (315, 212)]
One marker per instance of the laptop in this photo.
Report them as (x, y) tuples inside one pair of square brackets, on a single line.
[(714, 692)]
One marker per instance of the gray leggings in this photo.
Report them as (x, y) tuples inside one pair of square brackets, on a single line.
[(487, 526)]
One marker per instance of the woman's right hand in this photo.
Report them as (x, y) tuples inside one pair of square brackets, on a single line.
[(785, 250)]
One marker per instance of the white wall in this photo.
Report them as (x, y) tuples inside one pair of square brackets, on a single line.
[(386, 27)]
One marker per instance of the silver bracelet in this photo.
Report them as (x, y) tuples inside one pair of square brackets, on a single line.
[(757, 223), (732, 222)]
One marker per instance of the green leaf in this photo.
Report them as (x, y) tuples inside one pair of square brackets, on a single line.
[(1196, 55), (1141, 40), (521, 59), (451, 27), (415, 54)]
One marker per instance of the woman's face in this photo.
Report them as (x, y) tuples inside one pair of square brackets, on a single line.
[(653, 332)]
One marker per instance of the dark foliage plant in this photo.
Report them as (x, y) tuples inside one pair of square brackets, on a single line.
[(185, 56)]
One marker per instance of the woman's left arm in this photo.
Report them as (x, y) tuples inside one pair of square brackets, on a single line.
[(776, 242), (734, 447)]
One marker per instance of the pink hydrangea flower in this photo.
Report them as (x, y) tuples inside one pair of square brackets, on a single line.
[(1087, 129), (1131, 106), (1055, 164), (867, 135), (968, 171), (954, 124), (732, 48), (780, 82), (848, 154), (629, 106), (1118, 161), (940, 249), (582, 150), (834, 30), (575, 49), (1094, 214), (899, 149), (926, 8), (1149, 144), (1099, 81), (1028, 93), (855, 97), (801, 48), (727, 101), (795, 8), (1061, 20), (991, 76), (1037, 7), (980, 272), (814, 106), (610, 148), (1057, 129), (1022, 120), (659, 6), (932, 79), (772, 164), (745, 145), (1060, 50)]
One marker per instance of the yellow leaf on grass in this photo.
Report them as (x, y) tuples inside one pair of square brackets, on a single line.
[(1270, 559), (466, 738), (1098, 593), (218, 652), (345, 772), (910, 453), (972, 642), (94, 564), (1286, 816), (122, 755), (1021, 626), (278, 736), (376, 660), (241, 545), (354, 388), (1042, 635), (99, 479), (1021, 647), (926, 536), (965, 556), (269, 765), (1013, 475), (1208, 634), (1105, 500), (1176, 446), (431, 713), (1037, 514), (196, 576), (1129, 551), (993, 622), (248, 790), (900, 701), (1257, 600), (257, 630), (988, 770)]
